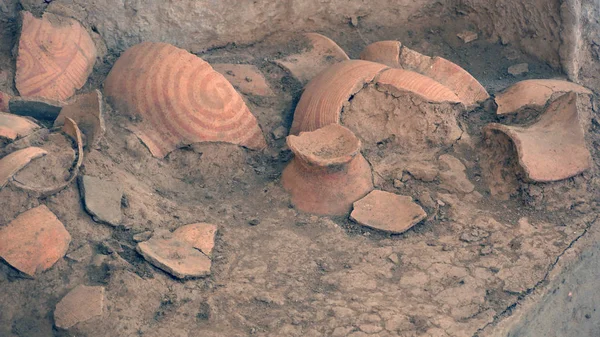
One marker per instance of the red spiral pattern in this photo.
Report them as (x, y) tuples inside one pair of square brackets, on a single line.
[(180, 99)]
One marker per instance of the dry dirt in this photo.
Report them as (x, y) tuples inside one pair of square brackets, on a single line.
[(279, 272)]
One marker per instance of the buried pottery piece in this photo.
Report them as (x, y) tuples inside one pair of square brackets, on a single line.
[(533, 94), (86, 111), (179, 100), (12, 163), (554, 147), (34, 241), (247, 78), (398, 80), (175, 256), (12, 126), (322, 54), (4, 99), (56, 56), (102, 199), (38, 108), (328, 173), (79, 305), (387, 212)]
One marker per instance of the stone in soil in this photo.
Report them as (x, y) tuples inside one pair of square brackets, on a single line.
[(4, 99), (38, 108), (247, 78), (79, 305), (453, 177), (387, 212), (199, 235), (102, 199), (80, 254), (467, 36), (518, 69), (175, 256), (34, 241), (279, 132)]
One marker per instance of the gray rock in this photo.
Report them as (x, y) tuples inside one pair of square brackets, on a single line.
[(279, 132), (81, 254), (518, 69), (102, 199)]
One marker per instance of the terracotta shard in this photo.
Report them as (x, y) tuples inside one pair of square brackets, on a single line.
[(56, 56), (533, 94), (322, 54), (12, 163), (399, 80), (199, 235), (384, 52), (387, 212), (324, 97), (38, 108), (71, 129), (328, 173), (465, 86), (554, 147), (79, 305), (102, 199), (86, 111), (12, 126), (246, 78), (4, 99), (176, 257), (180, 100), (34, 241)]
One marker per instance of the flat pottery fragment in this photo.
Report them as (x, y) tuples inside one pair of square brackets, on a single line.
[(533, 94), (384, 52), (102, 199), (13, 162), (13, 126), (56, 55), (179, 100), (387, 212), (86, 111), (34, 241), (79, 305), (328, 173), (199, 235), (246, 78), (38, 108), (176, 257), (325, 95), (4, 99), (554, 147), (322, 54), (399, 80)]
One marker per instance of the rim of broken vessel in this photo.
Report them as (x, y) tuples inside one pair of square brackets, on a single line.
[(331, 145)]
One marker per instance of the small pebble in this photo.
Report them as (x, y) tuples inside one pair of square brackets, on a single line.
[(254, 222), (518, 69)]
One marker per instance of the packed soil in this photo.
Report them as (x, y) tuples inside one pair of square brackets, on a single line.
[(279, 272)]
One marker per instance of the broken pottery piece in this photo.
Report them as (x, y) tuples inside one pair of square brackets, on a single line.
[(38, 108), (12, 126), (86, 111), (12, 163), (324, 97), (518, 69), (384, 52), (533, 94), (71, 129), (322, 54), (179, 100), (79, 305), (102, 199), (199, 235), (4, 99), (176, 257), (387, 212), (397, 80), (467, 36), (34, 241), (554, 147), (453, 176), (328, 173), (56, 55), (247, 78)]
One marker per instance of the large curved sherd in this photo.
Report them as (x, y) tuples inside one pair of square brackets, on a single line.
[(12, 163), (399, 80), (56, 56), (13, 126), (533, 94), (322, 53), (179, 100), (553, 148), (324, 97)]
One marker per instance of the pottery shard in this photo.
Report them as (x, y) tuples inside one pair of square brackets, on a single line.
[(199, 235), (467, 36), (4, 99), (246, 78), (176, 257), (324, 97), (384, 52), (56, 55), (79, 305), (388, 212), (400, 80), (34, 241), (554, 147), (38, 108), (12, 163), (533, 94), (86, 111), (179, 100), (322, 53), (102, 199), (518, 69), (12, 126), (452, 175)]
